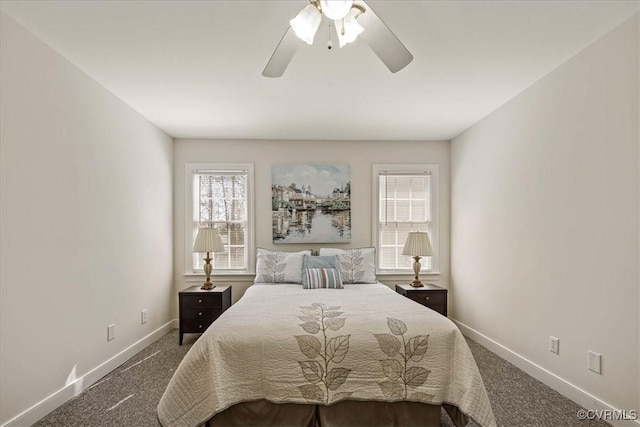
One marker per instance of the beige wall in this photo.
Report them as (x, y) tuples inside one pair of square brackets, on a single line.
[(544, 215), (361, 155), (556, 170), (86, 223)]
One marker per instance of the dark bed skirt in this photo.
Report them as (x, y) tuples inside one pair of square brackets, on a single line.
[(343, 414)]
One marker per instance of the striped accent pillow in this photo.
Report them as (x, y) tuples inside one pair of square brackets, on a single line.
[(317, 278)]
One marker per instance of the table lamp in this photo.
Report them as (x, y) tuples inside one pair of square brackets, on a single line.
[(208, 240), (417, 245)]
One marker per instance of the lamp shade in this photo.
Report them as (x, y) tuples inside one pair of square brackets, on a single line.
[(208, 240), (336, 9), (306, 23), (417, 244), (348, 28)]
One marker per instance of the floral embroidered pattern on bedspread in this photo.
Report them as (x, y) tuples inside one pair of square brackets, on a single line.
[(396, 369), (319, 318)]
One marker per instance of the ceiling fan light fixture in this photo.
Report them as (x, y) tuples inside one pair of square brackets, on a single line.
[(349, 28), (336, 9), (306, 23), (304, 26)]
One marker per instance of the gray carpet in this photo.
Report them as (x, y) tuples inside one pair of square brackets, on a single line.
[(128, 396), (517, 399)]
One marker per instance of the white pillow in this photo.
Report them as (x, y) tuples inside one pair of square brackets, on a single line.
[(355, 265), (279, 267)]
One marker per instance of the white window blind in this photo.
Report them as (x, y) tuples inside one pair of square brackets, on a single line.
[(220, 198), (405, 203)]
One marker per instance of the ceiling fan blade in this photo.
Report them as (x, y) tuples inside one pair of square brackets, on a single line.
[(283, 54), (382, 41)]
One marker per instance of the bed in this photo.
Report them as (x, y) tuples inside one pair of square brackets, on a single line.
[(361, 355)]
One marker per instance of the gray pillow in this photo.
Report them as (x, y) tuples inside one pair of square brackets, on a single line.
[(330, 261)]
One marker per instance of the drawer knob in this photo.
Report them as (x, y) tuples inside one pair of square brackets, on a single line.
[(427, 298), (200, 314), (199, 300), (200, 326)]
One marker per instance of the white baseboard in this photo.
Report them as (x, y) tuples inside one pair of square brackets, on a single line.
[(562, 386), (57, 399)]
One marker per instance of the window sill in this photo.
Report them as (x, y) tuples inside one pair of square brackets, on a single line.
[(219, 277), (390, 278), (407, 273)]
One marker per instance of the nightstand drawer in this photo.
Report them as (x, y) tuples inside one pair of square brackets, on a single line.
[(201, 301), (199, 312), (428, 298), (195, 325)]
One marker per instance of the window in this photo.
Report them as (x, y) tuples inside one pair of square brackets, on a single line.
[(406, 200), (220, 194)]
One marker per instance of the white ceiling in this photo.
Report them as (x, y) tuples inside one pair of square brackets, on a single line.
[(194, 67)]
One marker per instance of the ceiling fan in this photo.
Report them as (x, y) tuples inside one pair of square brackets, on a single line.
[(350, 19)]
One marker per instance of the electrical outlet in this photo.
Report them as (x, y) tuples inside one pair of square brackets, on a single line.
[(595, 362), (111, 332), (554, 345), (143, 316)]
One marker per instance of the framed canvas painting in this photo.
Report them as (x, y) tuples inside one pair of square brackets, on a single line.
[(311, 203)]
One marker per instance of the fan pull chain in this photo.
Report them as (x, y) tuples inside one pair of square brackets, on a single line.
[(329, 44)]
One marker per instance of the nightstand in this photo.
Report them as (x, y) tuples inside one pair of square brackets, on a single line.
[(431, 296), (199, 308)]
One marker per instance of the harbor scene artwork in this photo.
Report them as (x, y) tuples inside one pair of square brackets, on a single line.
[(311, 203)]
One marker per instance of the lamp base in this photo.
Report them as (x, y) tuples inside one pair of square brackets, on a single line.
[(417, 283), (207, 286)]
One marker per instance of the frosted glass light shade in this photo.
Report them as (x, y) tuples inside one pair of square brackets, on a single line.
[(351, 27), (306, 23), (336, 9), (417, 244), (208, 240)]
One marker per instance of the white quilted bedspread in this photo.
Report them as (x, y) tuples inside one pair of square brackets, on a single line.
[(283, 343)]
